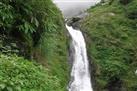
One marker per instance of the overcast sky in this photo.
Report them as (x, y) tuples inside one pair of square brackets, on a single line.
[(76, 0), (71, 8)]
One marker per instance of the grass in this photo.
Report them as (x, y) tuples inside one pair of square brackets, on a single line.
[(111, 38)]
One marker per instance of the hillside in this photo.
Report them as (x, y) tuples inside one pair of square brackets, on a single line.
[(32, 30), (111, 33)]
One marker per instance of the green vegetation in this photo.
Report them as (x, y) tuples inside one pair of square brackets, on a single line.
[(18, 74), (111, 30), (33, 30)]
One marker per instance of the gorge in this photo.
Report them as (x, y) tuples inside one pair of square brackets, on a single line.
[(68, 45), (80, 75), (109, 63)]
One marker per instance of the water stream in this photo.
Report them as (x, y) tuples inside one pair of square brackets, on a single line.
[(80, 75), (80, 79)]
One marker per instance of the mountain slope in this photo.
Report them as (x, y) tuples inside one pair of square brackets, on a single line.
[(110, 30), (33, 30)]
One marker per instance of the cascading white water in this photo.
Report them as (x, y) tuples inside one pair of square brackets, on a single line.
[(80, 75)]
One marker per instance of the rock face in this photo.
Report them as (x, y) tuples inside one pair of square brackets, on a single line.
[(75, 21)]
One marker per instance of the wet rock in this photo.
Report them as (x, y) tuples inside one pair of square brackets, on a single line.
[(75, 21)]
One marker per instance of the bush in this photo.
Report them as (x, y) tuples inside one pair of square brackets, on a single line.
[(18, 74), (132, 10), (124, 2), (36, 27), (28, 17), (17, 15)]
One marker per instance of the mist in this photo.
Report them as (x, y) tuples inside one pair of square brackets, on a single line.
[(72, 8)]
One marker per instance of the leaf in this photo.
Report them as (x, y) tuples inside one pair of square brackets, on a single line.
[(18, 88), (9, 89), (26, 27), (36, 22), (2, 86)]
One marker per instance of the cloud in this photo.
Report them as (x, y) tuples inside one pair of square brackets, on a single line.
[(71, 8), (76, 0)]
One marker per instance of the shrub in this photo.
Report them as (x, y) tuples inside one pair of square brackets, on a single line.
[(17, 15), (18, 74), (125, 1), (132, 10), (28, 17), (37, 29)]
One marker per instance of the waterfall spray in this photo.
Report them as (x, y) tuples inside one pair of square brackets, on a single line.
[(80, 75)]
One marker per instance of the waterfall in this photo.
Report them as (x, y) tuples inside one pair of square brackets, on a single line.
[(80, 75)]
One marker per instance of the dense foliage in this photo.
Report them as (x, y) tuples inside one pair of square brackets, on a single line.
[(25, 16), (34, 29), (111, 31), (18, 74)]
